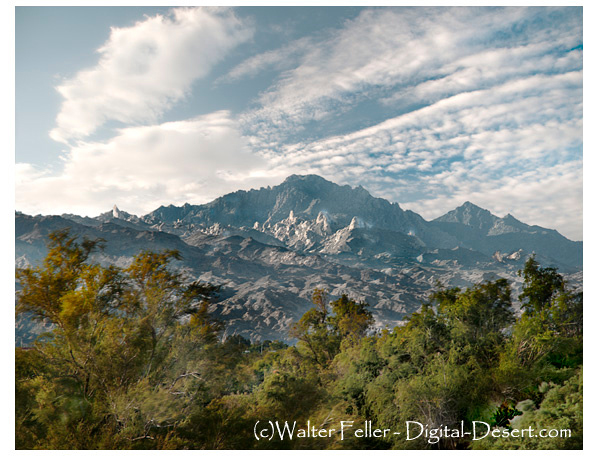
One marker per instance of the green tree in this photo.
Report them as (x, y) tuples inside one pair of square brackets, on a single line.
[(540, 286), (122, 364), (550, 327), (321, 333), (351, 321), (477, 319), (315, 340)]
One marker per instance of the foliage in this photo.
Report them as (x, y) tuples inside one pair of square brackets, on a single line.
[(321, 333), (135, 360)]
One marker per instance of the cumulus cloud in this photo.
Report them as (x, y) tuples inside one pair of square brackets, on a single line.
[(143, 167), (144, 69)]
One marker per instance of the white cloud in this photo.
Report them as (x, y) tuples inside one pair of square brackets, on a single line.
[(144, 69), (510, 145), (141, 168), (482, 104), (418, 55), (278, 59)]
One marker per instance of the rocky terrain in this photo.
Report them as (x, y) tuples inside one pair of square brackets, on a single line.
[(269, 248)]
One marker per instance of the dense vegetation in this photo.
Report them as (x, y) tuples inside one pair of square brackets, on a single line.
[(135, 361)]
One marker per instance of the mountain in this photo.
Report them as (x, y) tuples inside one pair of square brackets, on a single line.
[(476, 228), (269, 248), (470, 215), (306, 197)]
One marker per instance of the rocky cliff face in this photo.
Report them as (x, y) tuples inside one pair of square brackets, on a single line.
[(271, 247)]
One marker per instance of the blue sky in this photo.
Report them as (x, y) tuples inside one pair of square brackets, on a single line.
[(428, 107)]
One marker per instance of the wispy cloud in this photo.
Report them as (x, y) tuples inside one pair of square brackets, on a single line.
[(277, 59), (146, 68), (392, 54), (485, 98), (475, 143)]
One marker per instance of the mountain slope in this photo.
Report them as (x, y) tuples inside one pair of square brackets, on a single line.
[(269, 248)]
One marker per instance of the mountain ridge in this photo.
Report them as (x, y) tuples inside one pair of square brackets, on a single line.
[(271, 247)]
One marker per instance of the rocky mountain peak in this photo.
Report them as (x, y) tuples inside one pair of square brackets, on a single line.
[(116, 213), (305, 179), (471, 215), (324, 222), (356, 222)]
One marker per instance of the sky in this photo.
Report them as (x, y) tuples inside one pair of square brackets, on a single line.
[(426, 106)]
